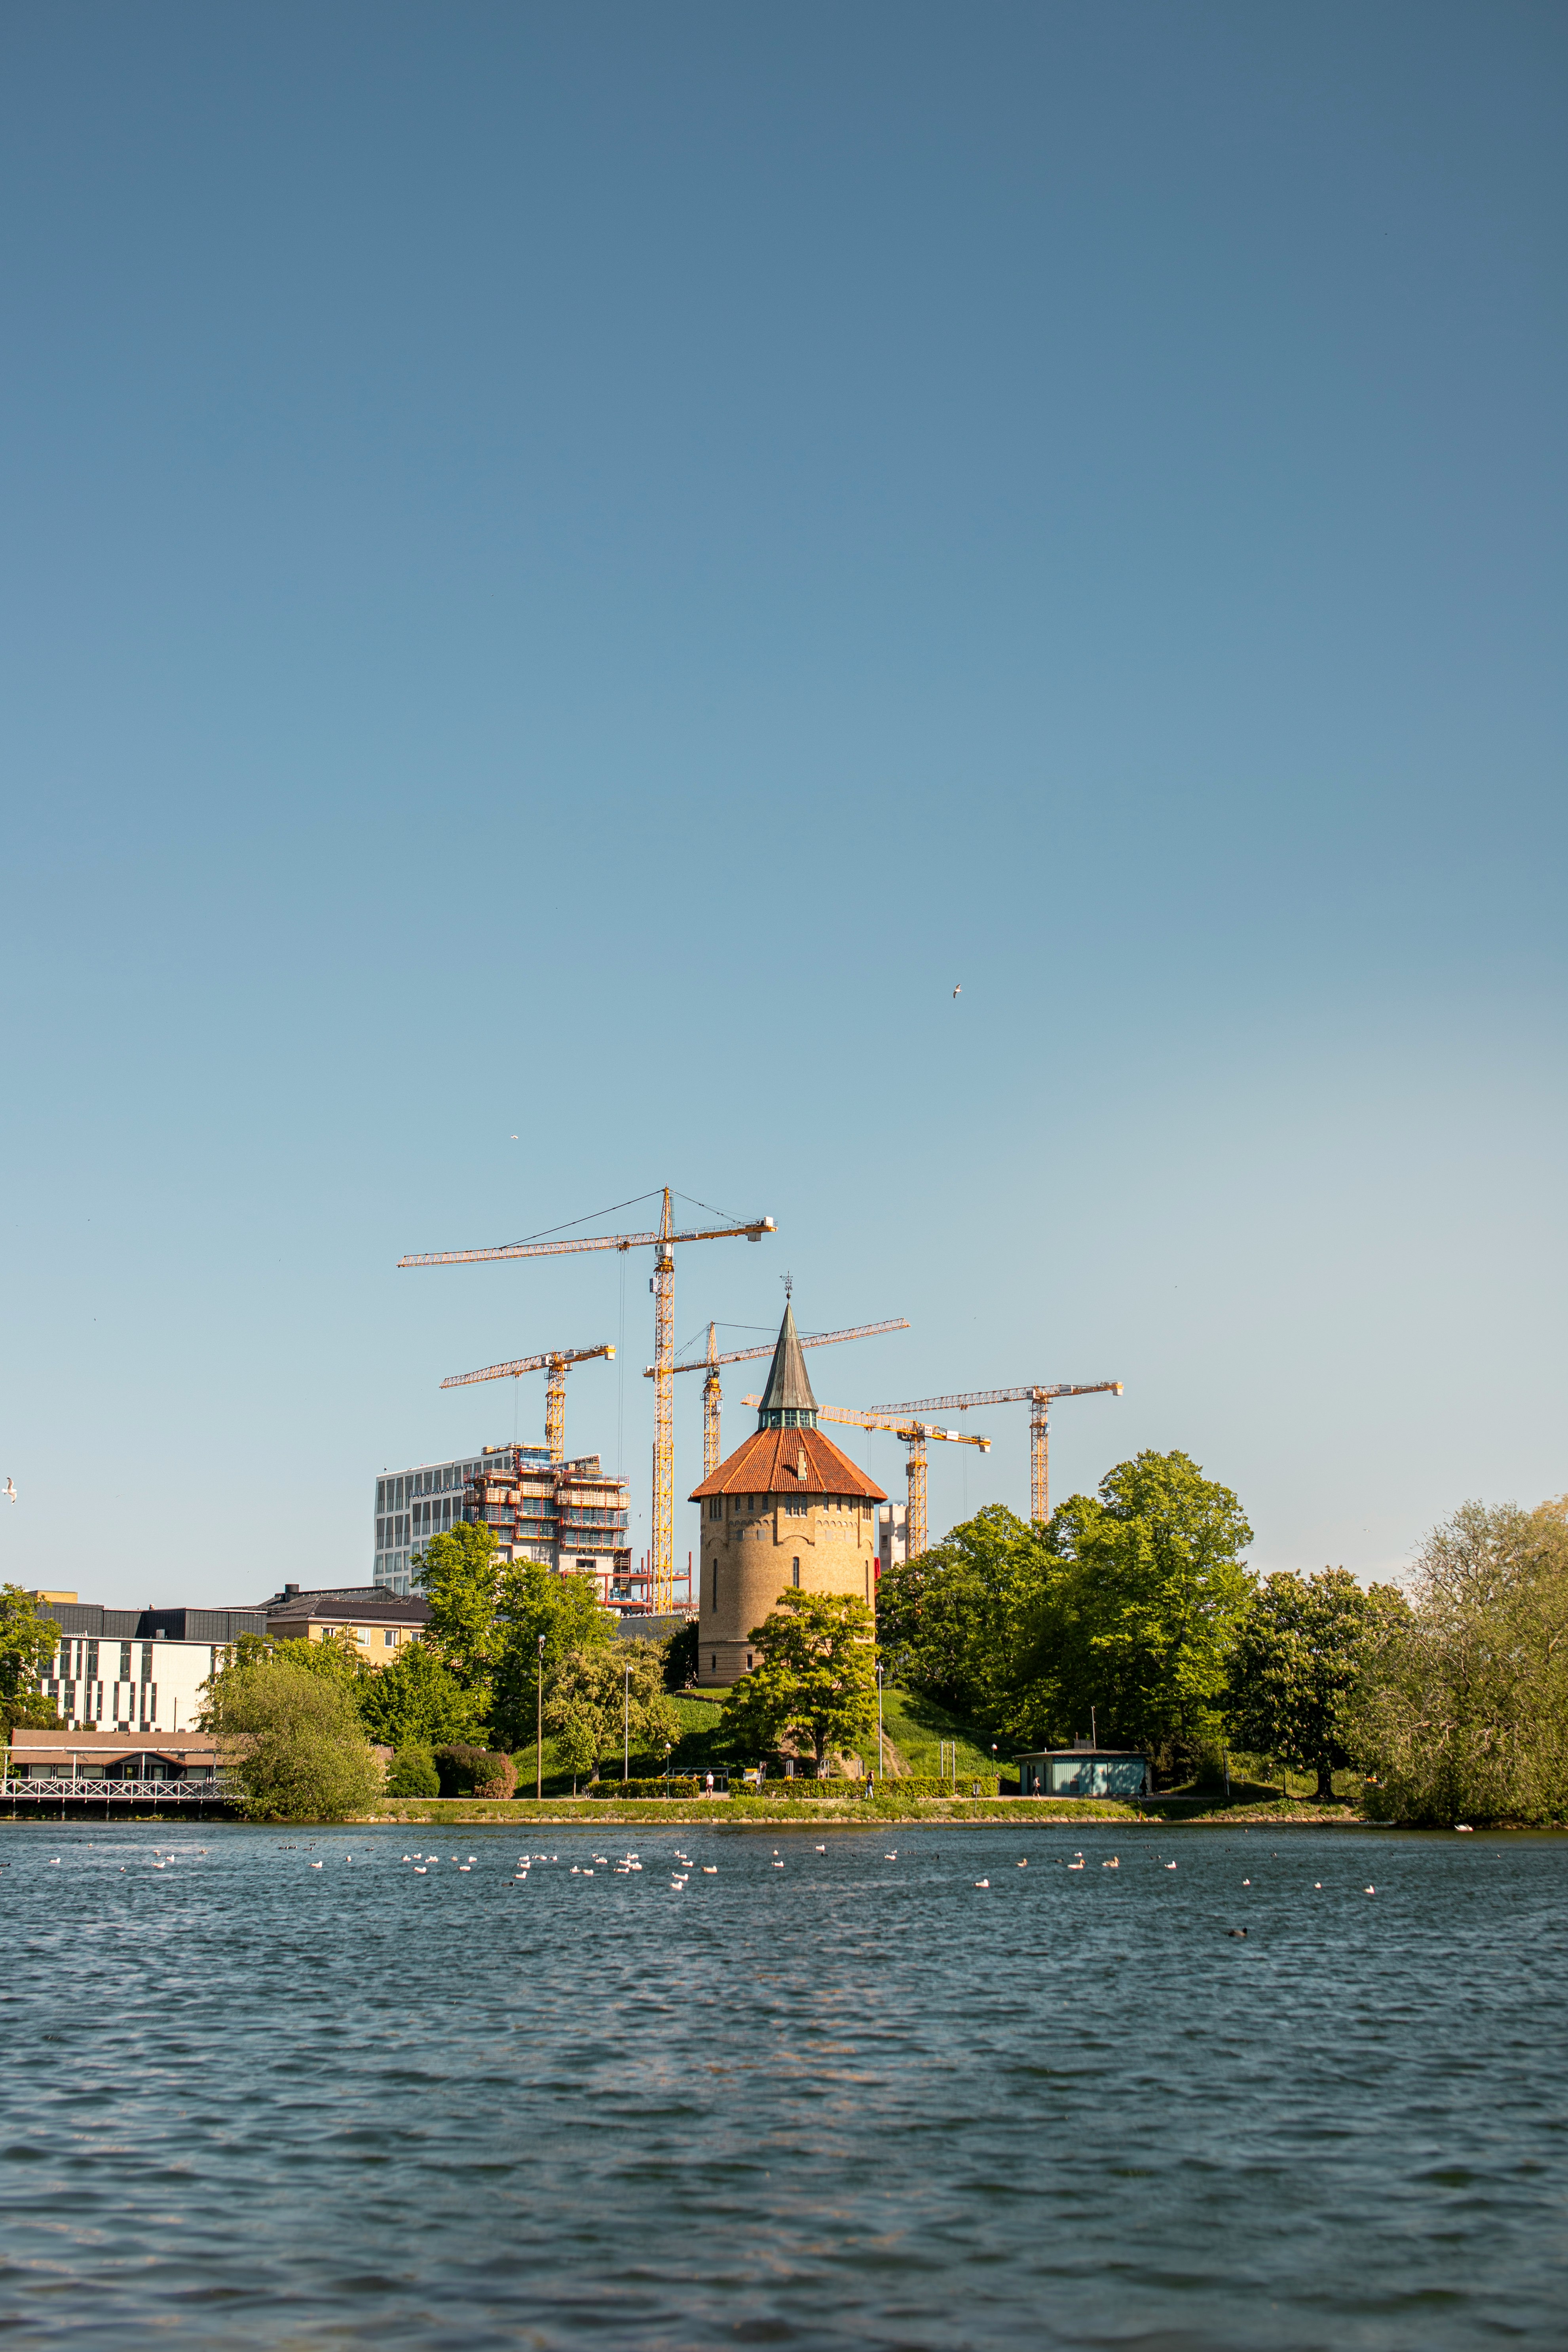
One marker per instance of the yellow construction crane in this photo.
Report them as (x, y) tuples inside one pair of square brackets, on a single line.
[(665, 1240), (711, 1398), (916, 1435), (1039, 1398), (557, 1364)]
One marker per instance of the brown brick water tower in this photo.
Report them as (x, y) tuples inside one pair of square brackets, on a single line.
[(785, 1511)]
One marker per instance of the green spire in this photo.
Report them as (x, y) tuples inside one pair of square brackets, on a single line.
[(787, 1400)]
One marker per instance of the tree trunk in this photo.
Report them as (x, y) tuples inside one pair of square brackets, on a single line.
[(1326, 1783)]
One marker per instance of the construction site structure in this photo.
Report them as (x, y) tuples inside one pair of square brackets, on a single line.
[(557, 1363), (1038, 1398), (664, 1239), (915, 1435), (573, 1517), (712, 1396)]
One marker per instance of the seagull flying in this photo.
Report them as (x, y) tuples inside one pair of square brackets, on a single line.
[(9, 1490), (956, 990)]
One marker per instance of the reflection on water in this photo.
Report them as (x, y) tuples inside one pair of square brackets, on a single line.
[(854, 2102)]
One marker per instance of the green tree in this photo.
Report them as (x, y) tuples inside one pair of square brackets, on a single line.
[(680, 1656), (28, 1642), (291, 1739), (460, 1573), (337, 1655), (1463, 1711), (815, 1677), (1303, 1648), (416, 1701), (566, 1609), (594, 1695), (1143, 1598), (952, 1621)]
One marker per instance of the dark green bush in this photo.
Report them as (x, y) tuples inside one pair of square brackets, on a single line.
[(411, 1773), (467, 1771), (677, 1786)]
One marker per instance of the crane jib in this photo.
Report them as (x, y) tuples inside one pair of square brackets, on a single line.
[(752, 1232)]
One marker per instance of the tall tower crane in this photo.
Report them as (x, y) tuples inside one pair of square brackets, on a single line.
[(664, 1241), (557, 1363), (1039, 1398), (916, 1435), (711, 1397)]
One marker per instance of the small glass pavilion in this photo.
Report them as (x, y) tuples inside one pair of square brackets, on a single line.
[(1083, 1773)]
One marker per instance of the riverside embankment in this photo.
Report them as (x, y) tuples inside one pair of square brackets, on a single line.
[(847, 1812)]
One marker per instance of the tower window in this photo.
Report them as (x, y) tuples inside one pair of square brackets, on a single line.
[(795, 1573)]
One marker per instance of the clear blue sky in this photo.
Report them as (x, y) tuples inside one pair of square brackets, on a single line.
[(570, 570)]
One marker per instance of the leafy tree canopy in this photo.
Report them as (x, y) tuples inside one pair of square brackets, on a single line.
[(1303, 1649), (1143, 1598), (291, 1739), (815, 1677), (28, 1642), (416, 1701), (1463, 1713), (533, 1601), (680, 1656), (599, 1691), (460, 1573), (951, 1621)]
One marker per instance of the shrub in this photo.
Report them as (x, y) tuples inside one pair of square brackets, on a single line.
[(499, 1778), (414, 1774), (909, 1784), (466, 1771), (678, 1786)]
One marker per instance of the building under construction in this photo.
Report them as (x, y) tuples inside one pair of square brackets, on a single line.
[(573, 1517)]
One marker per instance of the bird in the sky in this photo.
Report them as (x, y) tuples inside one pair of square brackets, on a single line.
[(957, 988), (512, 1139), (9, 1490)]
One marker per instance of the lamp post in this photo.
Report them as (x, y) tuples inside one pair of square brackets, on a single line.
[(539, 1730), (667, 1771), (627, 1724), (881, 1760)]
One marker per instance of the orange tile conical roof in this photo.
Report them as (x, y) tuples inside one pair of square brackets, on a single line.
[(789, 1461)]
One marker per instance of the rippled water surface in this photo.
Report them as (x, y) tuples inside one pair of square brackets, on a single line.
[(855, 2101)]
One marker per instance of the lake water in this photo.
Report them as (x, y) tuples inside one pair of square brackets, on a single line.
[(852, 2102)]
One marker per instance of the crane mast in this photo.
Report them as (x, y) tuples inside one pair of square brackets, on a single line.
[(663, 1590), (663, 1239)]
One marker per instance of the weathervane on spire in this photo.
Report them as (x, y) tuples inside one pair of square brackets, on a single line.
[(788, 1282)]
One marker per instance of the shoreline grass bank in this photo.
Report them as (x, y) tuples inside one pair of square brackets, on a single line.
[(1024, 1813)]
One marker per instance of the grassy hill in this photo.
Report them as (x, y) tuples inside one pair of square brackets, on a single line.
[(916, 1727)]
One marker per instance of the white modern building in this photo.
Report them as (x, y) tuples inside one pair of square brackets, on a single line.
[(412, 1505), (136, 1669)]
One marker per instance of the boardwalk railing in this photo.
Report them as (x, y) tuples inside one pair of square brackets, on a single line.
[(191, 1790)]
